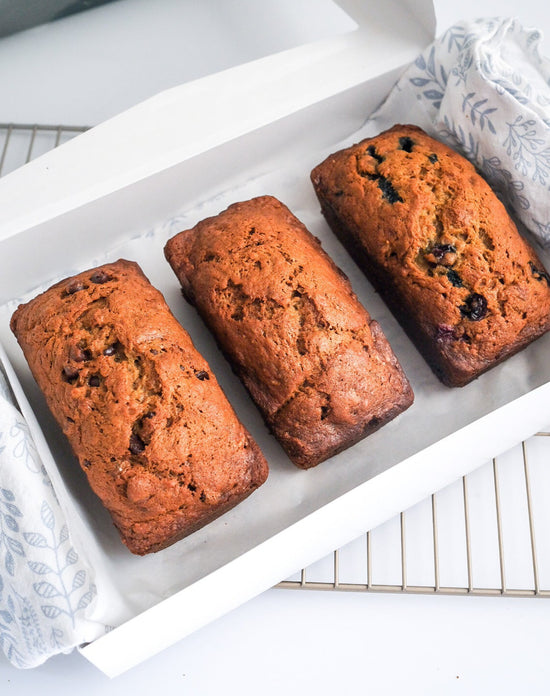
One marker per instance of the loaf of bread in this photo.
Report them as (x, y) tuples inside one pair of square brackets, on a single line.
[(439, 246), (318, 367), (160, 444)]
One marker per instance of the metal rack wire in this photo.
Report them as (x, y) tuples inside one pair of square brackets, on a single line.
[(535, 545), (435, 547), (22, 142)]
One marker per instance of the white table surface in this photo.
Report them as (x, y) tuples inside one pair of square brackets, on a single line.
[(86, 68)]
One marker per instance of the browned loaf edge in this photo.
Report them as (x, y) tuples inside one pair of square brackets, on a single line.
[(160, 444), (316, 364), (439, 246)]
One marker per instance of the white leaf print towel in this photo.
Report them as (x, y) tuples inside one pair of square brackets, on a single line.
[(484, 89), (45, 586)]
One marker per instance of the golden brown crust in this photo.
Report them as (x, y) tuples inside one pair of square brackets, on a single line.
[(440, 248), (286, 317), (144, 414)]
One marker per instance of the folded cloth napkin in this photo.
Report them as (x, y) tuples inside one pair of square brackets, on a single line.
[(483, 88), (46, 588)]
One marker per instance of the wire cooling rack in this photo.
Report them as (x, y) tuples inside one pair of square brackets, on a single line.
[(487, 534), (22, 142)]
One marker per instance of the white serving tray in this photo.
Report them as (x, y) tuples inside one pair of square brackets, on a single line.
[(122, 189)]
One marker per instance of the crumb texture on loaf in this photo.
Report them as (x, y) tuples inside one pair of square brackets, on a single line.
[(313, 360), (151, 427), (440, 248)]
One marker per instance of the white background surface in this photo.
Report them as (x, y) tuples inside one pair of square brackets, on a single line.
[(87, 68)]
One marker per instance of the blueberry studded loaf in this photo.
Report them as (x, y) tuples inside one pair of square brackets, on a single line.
[(439, 246), (150, 425), (318, 367)]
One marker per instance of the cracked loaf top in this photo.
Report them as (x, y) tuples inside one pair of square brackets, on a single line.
[(316, 364), (439, 246), (160, 444)]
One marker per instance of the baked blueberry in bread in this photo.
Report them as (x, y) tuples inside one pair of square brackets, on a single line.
[(439, 246)]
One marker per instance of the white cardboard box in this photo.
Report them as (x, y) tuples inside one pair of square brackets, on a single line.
[(122, 189)]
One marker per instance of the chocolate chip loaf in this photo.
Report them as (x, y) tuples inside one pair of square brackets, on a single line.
[(316, 364), (151, 427), (440, 248)]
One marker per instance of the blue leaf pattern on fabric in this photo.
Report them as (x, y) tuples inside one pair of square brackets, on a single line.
[(60, 590), (7, 522), (37, 621), (23, 446), (40, 568), (35, 539), (477, 113), (530, 152)]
